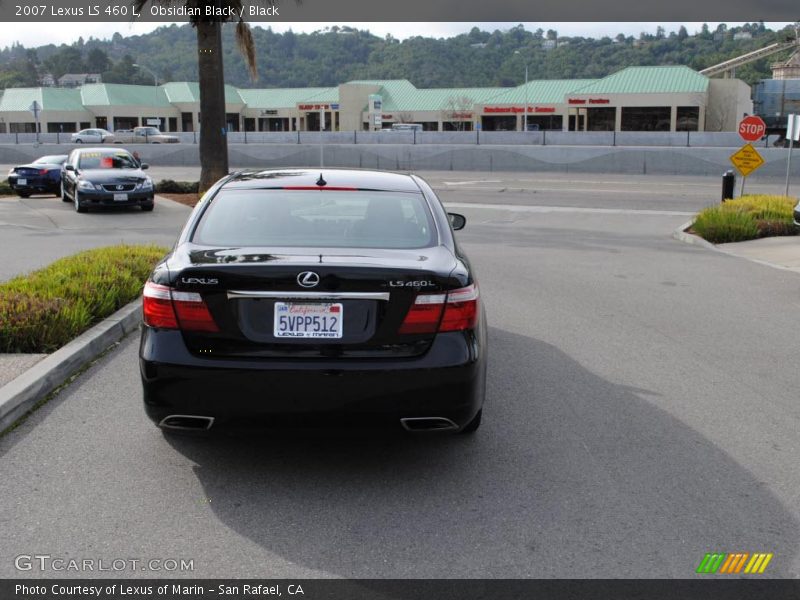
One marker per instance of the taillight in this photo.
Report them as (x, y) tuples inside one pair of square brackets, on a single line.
[(455, 311), (192, 312), (424, 315), (43, 171), (157, 306), (461, 310), (168, 309)]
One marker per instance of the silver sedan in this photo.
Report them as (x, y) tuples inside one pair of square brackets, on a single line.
[(92, 136)]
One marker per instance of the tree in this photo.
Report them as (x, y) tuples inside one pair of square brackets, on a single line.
[(454, 109), (211, 77), (97, 61)]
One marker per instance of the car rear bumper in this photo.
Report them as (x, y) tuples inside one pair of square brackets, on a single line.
[(447, 381), (33, 184)]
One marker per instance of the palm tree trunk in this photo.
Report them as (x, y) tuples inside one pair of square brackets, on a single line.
[(213, 141)]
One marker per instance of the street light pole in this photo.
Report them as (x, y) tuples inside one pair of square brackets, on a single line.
[(525, 119), (155, 82)]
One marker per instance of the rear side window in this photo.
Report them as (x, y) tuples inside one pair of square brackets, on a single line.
[(333, 219)]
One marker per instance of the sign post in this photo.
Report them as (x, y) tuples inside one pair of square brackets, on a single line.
[(793, 135), (746, 160), (36, 108)]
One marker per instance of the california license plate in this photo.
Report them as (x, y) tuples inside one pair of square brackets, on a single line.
[(120, 197), (22, 182), (320, 320)]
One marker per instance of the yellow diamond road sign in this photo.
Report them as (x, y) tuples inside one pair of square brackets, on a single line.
[(746, 160)]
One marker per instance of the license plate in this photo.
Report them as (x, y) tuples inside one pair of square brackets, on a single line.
[(22, 182), (120, 197), (293, 320)]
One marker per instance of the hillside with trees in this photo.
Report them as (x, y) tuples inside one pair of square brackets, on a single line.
[(337, 54)]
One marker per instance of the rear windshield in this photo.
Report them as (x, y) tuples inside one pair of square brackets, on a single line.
[(332, 219)]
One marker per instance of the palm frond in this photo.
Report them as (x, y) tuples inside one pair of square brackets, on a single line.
[(247, 46)]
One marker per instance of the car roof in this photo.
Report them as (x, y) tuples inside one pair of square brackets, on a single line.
[(308, 177)]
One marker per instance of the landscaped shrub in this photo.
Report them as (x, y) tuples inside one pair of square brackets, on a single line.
[(168, 186), (44, 310), (746, 218)]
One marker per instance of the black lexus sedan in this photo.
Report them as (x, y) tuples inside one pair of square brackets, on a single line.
[(329, 294), (42, 176), (102, 177)]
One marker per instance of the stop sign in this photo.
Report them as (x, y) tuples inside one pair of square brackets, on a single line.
[(752, 128)]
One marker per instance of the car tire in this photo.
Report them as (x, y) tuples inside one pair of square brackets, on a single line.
[(473, 425), (148, 207), (24, 194), (78, 206), (79, 141)]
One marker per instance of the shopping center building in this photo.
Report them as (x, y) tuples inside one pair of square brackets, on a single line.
[(664, 98)]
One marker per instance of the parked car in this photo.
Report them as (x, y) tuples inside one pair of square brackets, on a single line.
[(92, 136), (41, 176), (406, 127), (341, 295), (96, 177), (797, 215), (144, 135)]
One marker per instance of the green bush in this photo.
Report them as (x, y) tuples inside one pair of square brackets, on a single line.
[(719, 226), (168, 186), (42, 311), (746, 218), (5, 189)]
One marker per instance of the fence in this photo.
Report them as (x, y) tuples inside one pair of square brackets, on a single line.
[(471, 138)]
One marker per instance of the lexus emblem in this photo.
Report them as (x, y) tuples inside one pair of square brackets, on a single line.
[(308, 279), (119, 187)]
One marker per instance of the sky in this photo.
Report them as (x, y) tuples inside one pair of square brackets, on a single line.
[(38, 34)]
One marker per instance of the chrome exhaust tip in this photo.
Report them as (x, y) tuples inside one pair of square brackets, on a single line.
[(187, 422), (417, 424)]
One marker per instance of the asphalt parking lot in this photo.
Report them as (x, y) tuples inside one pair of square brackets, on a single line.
[(642, 411)]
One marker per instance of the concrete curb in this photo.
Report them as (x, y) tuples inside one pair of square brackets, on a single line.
[(695, 240), (688, 238), (21, 394)]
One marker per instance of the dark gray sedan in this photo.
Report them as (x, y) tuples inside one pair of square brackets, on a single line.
[(103, 177)]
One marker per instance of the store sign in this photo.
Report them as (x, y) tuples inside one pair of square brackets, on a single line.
[(267, 113), (314, 106), (589, 101), (516, 109), (460, 115)]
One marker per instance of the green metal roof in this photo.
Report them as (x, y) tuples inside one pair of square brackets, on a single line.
[(285, 97), (55, 99), (401, 94), (648, 80), (189, 91), (118, 94), (540, 91)]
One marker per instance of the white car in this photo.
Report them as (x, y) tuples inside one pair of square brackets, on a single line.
[(92, 136)]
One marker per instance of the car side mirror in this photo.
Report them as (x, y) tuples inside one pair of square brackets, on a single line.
[(144, 166), (69, 167), (457, 221)]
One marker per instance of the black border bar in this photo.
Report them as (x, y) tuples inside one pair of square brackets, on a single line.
[(346, 11), (712, 588)]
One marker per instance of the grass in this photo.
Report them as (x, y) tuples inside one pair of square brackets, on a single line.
[(42, 311), (746, 218)]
